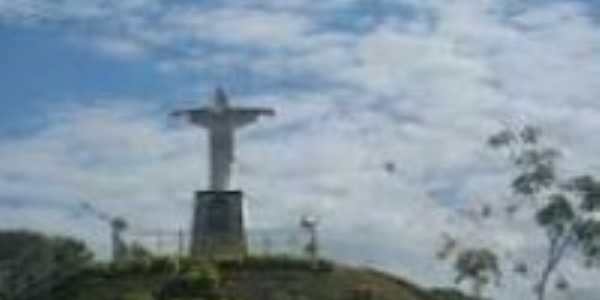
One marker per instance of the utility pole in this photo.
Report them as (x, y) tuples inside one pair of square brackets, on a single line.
[(180, 243), (310, 224)]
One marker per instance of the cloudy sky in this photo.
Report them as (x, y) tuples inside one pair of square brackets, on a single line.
[(86, 87)]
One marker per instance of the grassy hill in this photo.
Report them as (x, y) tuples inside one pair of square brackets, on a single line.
[(276, 278)]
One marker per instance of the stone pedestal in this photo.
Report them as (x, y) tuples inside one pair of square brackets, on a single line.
[(218, 226)]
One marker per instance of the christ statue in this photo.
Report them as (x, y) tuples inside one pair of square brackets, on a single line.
[(221, 121)]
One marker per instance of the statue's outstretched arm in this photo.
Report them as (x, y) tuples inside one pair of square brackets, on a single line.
[(246, 116), (200, 117)]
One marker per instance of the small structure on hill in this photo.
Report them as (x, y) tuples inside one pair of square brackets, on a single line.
[(310, 223), (218, 225), (118, 225)]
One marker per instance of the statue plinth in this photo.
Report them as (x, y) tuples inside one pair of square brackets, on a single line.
[(218, 226)]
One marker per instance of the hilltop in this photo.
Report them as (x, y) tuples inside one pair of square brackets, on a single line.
[(255, 279)]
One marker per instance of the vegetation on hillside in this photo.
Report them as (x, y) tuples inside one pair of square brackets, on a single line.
[(32, 263), (165, 278), (256, 278)]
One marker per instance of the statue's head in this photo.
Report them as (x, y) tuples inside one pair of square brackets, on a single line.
[(220, 99)]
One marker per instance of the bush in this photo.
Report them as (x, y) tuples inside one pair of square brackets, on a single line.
[(136, 296), (131, 267), (173, 288), (270, 263), (203, 277), (186, 264), (202, 280), (138, 266), (162, 265), (95, 270)]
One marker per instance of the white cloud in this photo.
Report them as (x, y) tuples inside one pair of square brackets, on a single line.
[(33, 11), (576, 294), (252, 28), (123, 48)]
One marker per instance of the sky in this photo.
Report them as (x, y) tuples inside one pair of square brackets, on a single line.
[(86, 89)]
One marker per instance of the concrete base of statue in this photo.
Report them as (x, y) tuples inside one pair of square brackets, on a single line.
[(218, 226)]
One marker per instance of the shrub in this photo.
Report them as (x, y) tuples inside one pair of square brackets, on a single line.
[(203, 277), (201, 281), (96, 270), (131, 267), (136, 296), (270, 263), (186, 264), (162, 265)]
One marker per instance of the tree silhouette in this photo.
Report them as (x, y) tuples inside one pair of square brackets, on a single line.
[(563, 207), (480, 266)]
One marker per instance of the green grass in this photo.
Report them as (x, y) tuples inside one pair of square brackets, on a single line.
[(256, 278)]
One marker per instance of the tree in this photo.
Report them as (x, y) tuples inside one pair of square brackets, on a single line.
[(480, 266), (38, 251), (563, 207), (32, 260)]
